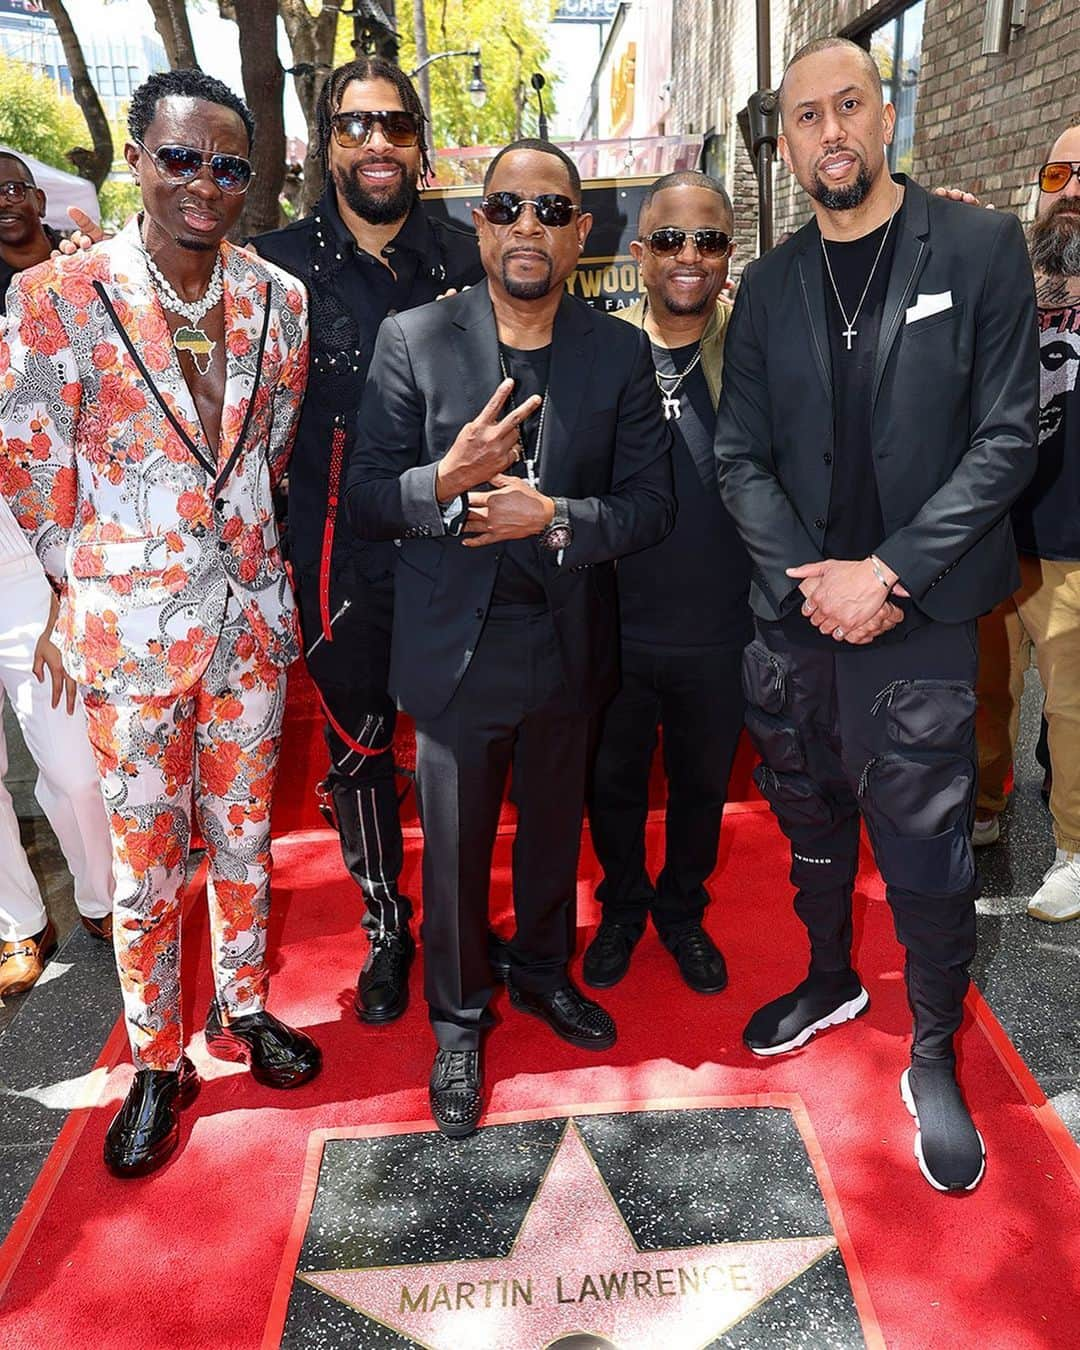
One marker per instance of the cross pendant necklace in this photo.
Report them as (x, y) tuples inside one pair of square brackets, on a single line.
[(851, 332)]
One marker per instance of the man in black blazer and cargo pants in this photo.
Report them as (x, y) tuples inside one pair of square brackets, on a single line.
[(510, 507), (878, 417)]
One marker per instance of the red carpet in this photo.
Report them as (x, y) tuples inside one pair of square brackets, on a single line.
[(190, 1258)]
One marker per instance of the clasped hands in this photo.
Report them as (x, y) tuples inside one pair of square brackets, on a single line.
[(481, 453), (847, 600)]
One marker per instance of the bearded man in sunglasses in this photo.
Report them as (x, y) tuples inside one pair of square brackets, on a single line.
[(368, 250), (512, 438), (151, 388)]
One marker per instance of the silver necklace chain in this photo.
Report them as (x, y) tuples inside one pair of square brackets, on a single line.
[(532, 460), (672, 407), (850, 331), (194, 310)]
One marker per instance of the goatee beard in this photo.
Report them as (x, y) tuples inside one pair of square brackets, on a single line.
[(526, 290), (1054, 240), (195, 245), (676, 305), (843, 198), (376, 210)]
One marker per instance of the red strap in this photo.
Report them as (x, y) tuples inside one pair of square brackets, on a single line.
[(337, 452), (349, 740)]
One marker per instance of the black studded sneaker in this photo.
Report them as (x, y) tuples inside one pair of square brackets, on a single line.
[(455, 1091), (821, 1001), (607, 957), (568, 1013), (949, 1149), (382, 991)]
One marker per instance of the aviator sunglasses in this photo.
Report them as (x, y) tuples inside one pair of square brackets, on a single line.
[(352, 129), (669, 241), (182, 163), (1055, 176), (552, 208)]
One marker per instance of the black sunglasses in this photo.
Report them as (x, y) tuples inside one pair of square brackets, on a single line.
[(1056, 176), (182, 163), (14, 190), (352, 129), (552, 208), (669, 240)]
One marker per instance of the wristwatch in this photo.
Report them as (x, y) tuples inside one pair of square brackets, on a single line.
[(455, 513), (560, 533)]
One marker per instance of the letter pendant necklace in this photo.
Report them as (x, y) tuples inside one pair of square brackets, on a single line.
[(851, 332), (672, 403), (191, 338)]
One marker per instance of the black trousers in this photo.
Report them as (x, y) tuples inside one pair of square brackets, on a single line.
[(888, 731), (350, 673), (510, 713), (695, 694)]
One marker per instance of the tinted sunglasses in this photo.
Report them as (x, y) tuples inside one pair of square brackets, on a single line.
[(14, 191), (552, 208), (668, 241), (352, 129), (182, 163), (1056, 175)]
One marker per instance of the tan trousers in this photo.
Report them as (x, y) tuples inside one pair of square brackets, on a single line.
[(1042, 617)]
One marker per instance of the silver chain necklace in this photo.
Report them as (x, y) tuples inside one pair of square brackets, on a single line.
[(851, 331), (530, 461), (672, 405)]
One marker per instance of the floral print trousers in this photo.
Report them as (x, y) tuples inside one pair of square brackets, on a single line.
[(215, 750)]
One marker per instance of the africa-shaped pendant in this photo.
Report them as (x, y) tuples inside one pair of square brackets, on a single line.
[(198, 343)]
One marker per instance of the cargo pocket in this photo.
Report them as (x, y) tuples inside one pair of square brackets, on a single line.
[(796, 799), (927, 714), (764, 677), (917, 810), (778, 742)]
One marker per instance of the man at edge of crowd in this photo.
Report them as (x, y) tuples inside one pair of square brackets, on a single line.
[(877, 420), (25, 239), (684, 615), (368, 250), (512, 498), (1044, 614), (147, 497)]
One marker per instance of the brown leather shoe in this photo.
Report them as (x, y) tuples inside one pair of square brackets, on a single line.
[(98, 928), (22, 961)]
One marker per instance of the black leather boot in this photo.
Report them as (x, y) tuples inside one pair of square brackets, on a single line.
[(145, 1131), (280, 1057), (382, 991)]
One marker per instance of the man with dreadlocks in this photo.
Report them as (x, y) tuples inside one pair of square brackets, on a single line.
[(367, 251)]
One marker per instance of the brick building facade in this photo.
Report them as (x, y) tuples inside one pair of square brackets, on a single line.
[(984, 122)]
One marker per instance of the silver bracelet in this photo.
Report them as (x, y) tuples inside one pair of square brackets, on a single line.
[(875, 563)]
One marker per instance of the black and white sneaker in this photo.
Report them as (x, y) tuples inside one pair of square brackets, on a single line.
[(949, 1149), (789, 1021)]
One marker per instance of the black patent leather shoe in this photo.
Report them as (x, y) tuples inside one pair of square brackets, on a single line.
[(146, 1130), (455, 1090), (280, 1057), (607, 957), (701, 962), (569, 1014), (382, 991)]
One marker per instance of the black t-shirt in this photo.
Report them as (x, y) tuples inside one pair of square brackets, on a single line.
[(520, 578), (854, 527), (1046, 517), (691, 589)]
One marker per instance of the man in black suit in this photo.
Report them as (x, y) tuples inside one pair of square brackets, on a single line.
[(505, 630), (878, 417)]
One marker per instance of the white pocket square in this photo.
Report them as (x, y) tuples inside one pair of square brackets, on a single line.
[(925, 305)]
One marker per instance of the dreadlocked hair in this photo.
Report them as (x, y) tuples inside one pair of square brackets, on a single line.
[(366, 68)]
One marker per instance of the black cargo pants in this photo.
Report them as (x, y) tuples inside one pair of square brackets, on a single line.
[(887, 731)]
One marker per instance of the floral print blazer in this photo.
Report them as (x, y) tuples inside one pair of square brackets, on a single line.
[(106, 467)]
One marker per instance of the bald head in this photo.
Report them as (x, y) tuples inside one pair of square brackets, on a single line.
[(860, 55), (1054, 238)]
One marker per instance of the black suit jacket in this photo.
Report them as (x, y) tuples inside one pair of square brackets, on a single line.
[(954, 413), (606, 450)]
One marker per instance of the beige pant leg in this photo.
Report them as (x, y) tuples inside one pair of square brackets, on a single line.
[(1004, 656)]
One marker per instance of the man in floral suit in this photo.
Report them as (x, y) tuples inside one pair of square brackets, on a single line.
[(149, 393)]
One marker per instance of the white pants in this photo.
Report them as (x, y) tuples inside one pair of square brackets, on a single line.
[(68, 787)]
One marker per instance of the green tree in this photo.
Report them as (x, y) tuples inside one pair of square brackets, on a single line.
[(511, 36), (35, 119)]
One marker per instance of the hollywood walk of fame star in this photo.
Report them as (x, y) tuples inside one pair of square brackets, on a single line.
[(575, 1268)]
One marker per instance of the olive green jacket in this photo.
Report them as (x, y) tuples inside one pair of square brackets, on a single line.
[(712, 341)]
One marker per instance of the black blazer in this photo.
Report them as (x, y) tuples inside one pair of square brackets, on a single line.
[(954, 415), (606, 449)]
